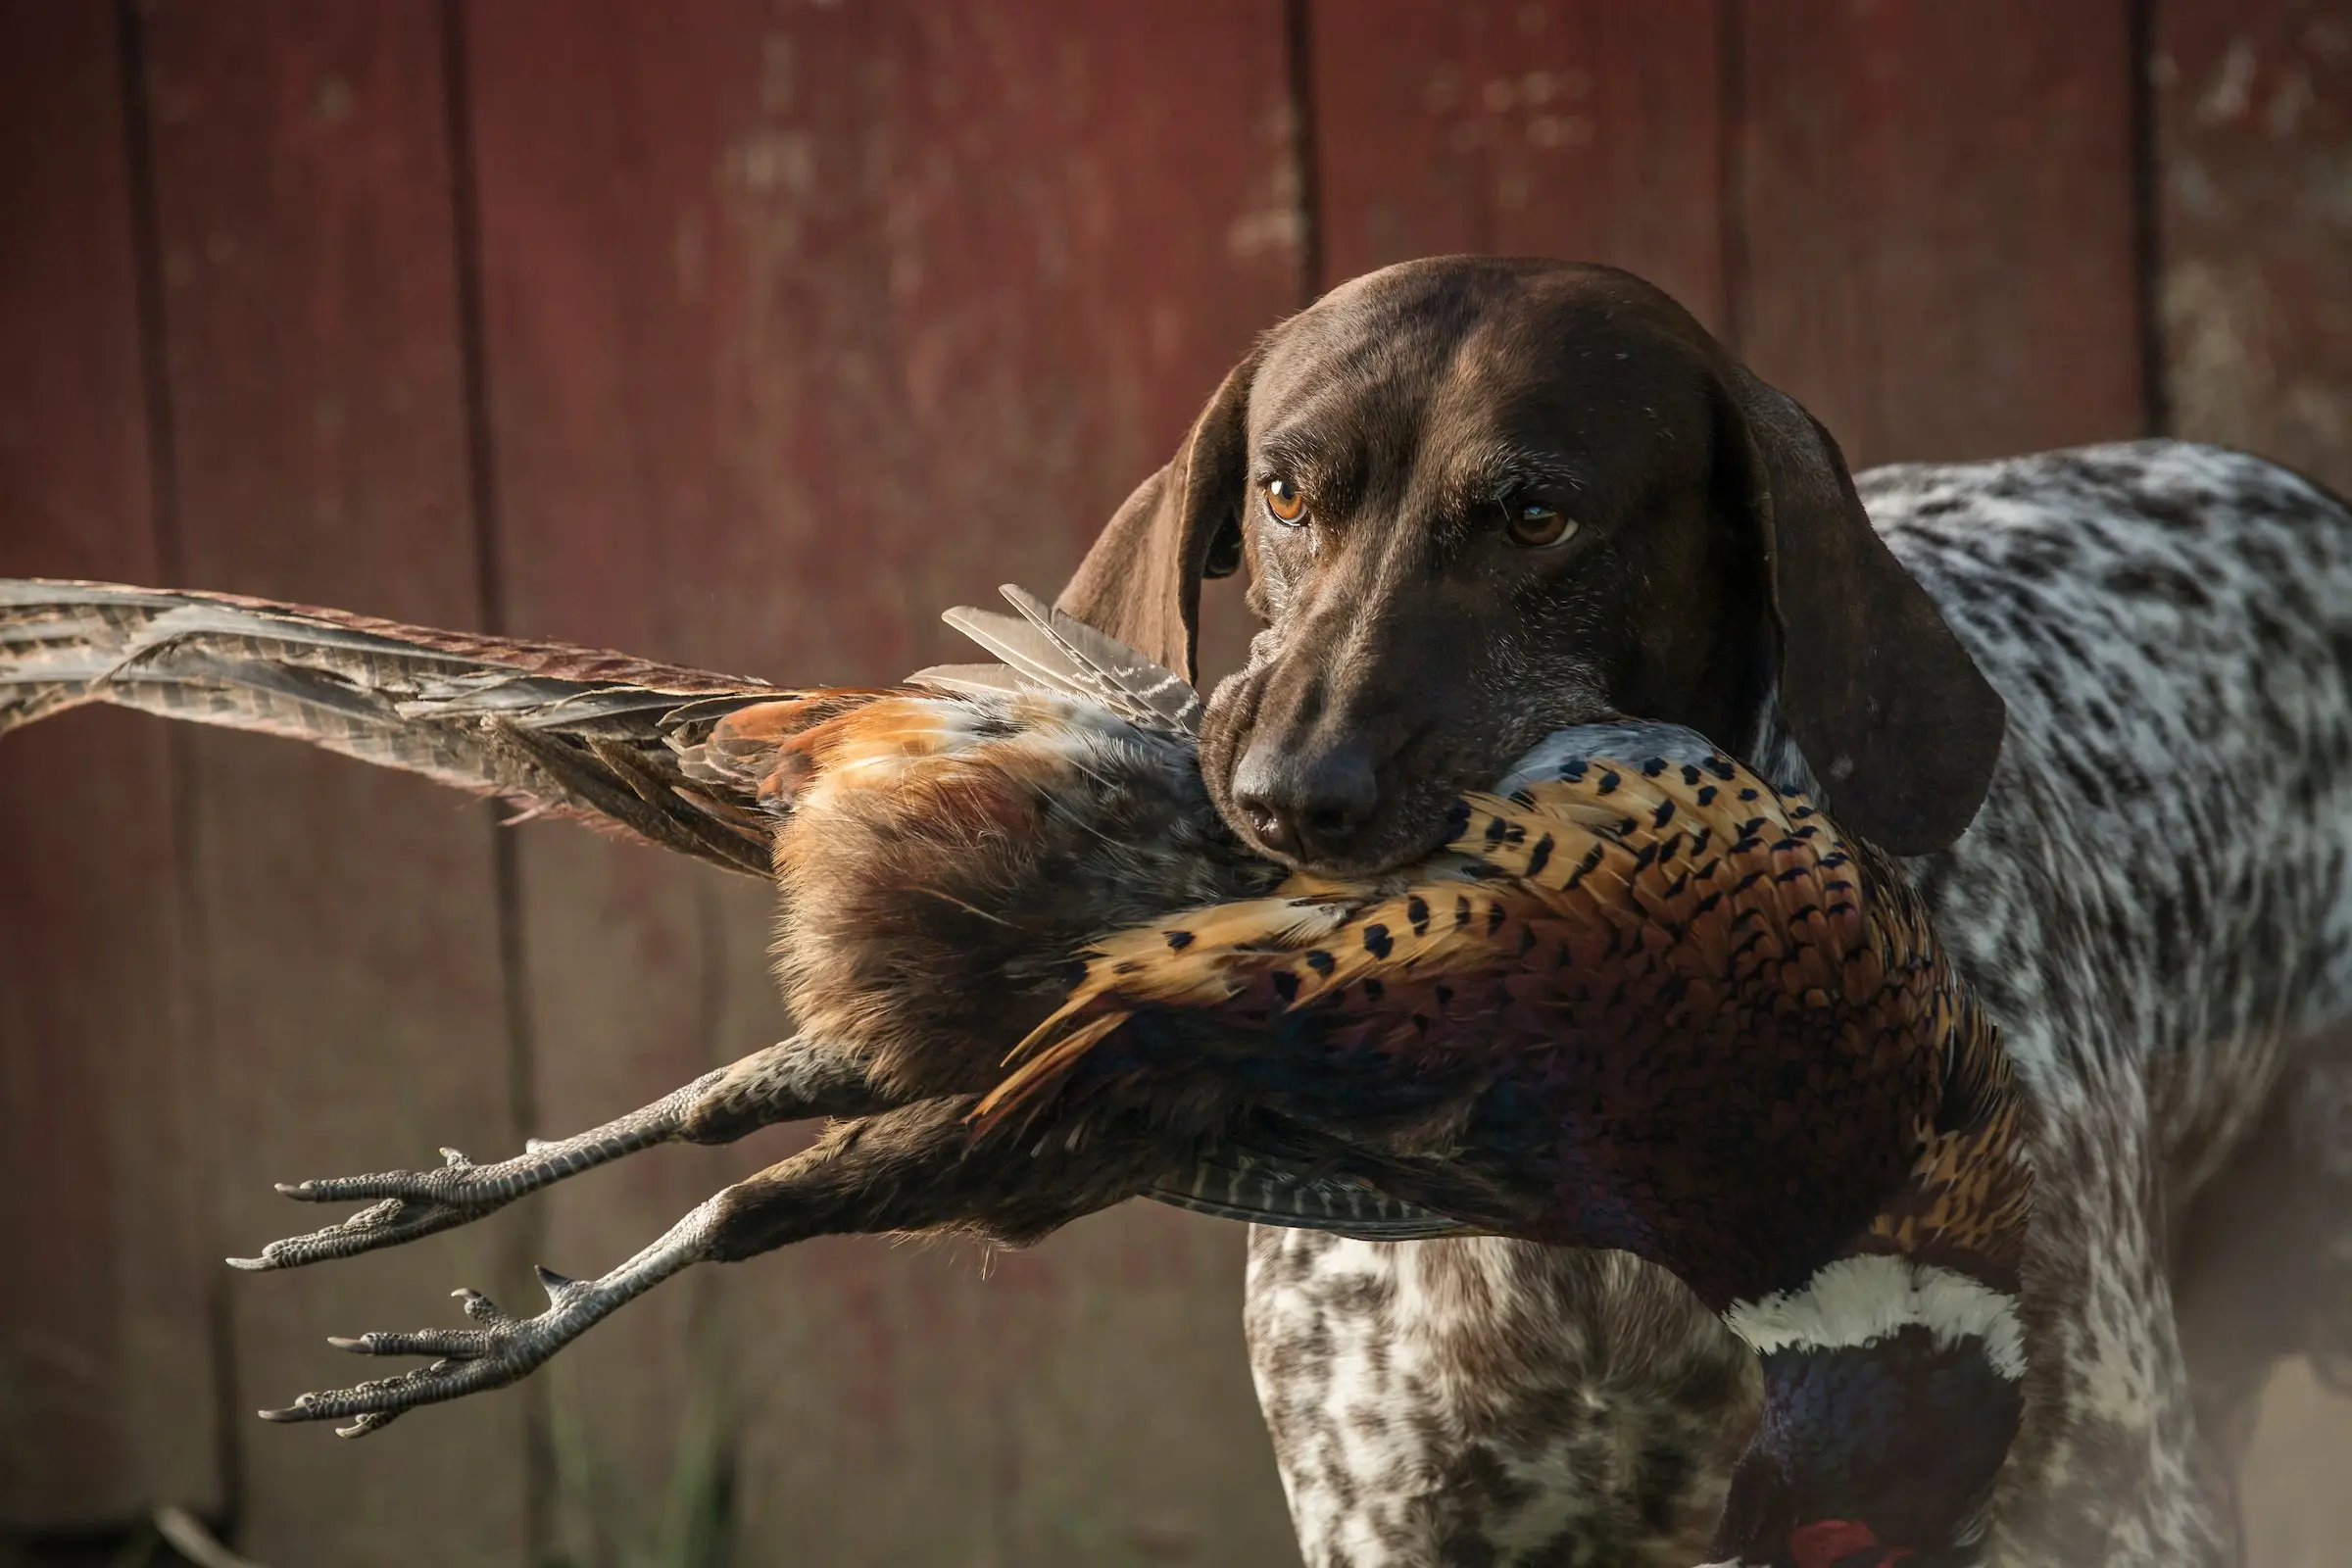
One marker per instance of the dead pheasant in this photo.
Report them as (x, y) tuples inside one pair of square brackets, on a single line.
[(1640, 1001)]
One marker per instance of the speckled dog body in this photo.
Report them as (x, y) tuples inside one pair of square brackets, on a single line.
[(2153, 903)]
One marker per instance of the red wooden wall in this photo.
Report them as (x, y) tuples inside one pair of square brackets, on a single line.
[(751, 334)]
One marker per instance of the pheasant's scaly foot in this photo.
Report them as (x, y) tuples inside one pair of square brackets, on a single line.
[(504, 1348), (412, 1204)]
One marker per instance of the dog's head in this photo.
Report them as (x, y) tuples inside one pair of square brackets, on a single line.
[(1481, 500)]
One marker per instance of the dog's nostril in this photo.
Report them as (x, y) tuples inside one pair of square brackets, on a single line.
[(1267, 824)]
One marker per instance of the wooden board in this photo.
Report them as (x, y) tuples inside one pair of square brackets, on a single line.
[(1576, 128), (104, 1336), (347, 930), (1935, 212), (2254, 136), (803, 324)]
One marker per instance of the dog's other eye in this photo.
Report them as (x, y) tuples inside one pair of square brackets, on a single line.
[(1283, 503), (1534, 525)]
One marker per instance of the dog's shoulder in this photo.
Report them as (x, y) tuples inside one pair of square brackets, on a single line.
[(2179, 611), (2169, 624)]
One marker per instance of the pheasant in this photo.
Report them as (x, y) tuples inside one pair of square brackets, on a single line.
[(1638, 999)]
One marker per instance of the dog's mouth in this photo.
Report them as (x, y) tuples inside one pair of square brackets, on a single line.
[(1419, 787), (1412, 820), (1451, 731)]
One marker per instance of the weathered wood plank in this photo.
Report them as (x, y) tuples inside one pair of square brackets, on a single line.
[(1936, 204), (347, 922), (2254, 147), (803, 324), (1573, 129), (105, 1351)]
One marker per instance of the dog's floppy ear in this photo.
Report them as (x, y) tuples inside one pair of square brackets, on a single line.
[(1898, 725), (1141, 582)]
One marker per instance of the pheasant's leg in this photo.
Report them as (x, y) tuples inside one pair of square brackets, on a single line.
[(787, 1081), (910, 1169)]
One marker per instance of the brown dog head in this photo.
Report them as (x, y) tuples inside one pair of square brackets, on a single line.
[(1482, 500)]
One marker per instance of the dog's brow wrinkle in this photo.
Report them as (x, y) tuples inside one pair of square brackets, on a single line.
[(1495, 474), (1297, 453), (1287, 457)]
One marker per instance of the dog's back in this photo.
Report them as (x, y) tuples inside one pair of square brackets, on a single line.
[(2153, 903)]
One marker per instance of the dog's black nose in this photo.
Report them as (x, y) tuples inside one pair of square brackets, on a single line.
[(1305, 809)]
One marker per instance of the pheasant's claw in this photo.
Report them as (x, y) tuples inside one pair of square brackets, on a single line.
[(464, 1361), (504, 1347), (373, 1421), (410, 1204)]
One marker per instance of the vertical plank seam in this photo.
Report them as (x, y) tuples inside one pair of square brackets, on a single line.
[(146, 231), (1298, 38), (506, 870), (2147, 215), (191, 1011), (1730, 170)]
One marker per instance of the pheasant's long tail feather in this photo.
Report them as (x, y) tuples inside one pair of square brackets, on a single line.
[(575, 732)]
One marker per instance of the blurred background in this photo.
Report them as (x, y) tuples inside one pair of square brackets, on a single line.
[(751, 333)]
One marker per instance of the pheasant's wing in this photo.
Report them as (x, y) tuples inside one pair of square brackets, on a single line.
[(1056, 652), (1147, 693), (583, 733)]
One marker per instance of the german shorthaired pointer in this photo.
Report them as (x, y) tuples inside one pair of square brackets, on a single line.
[(2103, 699)]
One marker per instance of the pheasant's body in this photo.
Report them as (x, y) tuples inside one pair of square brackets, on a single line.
[(1647, 1004), (1640, 1001), (941, 860)]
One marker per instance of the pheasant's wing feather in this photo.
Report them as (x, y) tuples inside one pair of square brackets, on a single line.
[(1062, 654), (972, 680), (1229, 1182), (577, 732), (1151, 694), (1029, 653)]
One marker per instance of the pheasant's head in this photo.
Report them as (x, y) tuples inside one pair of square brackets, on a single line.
[(1893, 1394)]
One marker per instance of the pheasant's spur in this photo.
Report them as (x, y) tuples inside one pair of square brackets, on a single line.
[(1639, 1001)]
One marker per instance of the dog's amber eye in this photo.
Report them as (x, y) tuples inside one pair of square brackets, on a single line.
[(1283, 503), (1534, 525)]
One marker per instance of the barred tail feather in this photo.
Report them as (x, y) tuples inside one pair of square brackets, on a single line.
[(575, 732)]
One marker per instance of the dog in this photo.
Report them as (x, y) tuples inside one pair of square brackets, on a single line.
[(2100, 701)]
